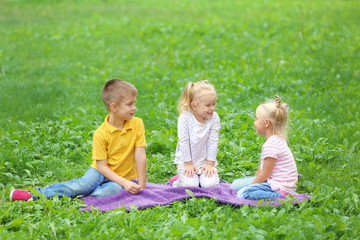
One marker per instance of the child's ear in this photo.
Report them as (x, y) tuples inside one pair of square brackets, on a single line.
[(193, 105), (113, 107), (267, 123)]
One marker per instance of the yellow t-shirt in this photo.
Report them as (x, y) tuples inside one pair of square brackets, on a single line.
[(117, 146)]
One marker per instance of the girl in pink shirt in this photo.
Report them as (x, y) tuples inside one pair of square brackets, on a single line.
[(277, 174)]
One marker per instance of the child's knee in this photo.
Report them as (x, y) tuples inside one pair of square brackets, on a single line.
[(209, 182), (234, 185), (189, 182), (76, 190), (106, 190), (240, 183)]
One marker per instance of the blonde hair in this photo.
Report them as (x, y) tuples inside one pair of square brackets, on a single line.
[(115, 90), (194, 92), (276, 113)]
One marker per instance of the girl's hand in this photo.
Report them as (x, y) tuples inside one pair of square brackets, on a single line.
[(189, 170), (209, 170), (132, 187)]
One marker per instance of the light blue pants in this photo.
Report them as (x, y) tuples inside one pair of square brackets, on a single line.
[(256, 191), (93, 183)]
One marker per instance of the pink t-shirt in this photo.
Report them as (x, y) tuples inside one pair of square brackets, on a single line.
[(284, 175)]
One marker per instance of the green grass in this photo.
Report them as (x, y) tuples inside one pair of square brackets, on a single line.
[(55, 57)]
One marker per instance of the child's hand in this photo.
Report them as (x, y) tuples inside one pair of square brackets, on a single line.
[(189, 170), (132, 187), (209, 170)]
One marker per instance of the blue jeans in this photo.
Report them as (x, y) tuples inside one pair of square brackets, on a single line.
[(93, 183), (256, 191)]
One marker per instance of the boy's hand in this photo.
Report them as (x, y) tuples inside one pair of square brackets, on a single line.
[(209, 170), (132, 187), (189, 170)]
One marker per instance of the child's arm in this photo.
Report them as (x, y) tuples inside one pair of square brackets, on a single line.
[(213, 139), (257, 172), (129, 186), (184, 142), (212, 147), (265, 173), (140, 161)]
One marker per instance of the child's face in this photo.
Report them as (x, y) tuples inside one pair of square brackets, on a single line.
[(205, 108), (260, 125), (126, 109)]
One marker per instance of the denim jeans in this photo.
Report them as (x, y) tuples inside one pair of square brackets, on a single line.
[(93, 183), (256, 191)]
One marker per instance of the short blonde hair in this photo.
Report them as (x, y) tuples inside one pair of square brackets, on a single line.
[(276, 113), (115, 90), (194, 92)]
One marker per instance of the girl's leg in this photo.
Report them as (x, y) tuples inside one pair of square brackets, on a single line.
[(209, 182), (106, 189), (76, 187), (241, 183), (185, 181), (258, 191)]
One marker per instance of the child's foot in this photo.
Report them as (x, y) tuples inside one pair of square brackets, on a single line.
[(176, 183), (174, 178), (20, 195)]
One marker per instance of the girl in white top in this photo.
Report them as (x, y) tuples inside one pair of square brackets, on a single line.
[(198, 133), (277, 174)]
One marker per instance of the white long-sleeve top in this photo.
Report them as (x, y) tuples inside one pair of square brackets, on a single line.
[(197, 142)]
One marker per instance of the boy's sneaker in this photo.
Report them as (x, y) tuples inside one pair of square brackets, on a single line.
[(20, 195)]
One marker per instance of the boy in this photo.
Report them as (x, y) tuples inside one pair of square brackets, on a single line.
[(118, 151)]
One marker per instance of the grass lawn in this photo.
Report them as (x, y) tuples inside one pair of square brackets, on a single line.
[(55, 57)]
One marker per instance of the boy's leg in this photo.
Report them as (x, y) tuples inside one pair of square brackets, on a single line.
[(258, 191), (241, 183), (76, 187), (209, 182), (106, 189)]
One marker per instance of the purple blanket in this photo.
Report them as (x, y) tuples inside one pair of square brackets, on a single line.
[(165, 194)]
